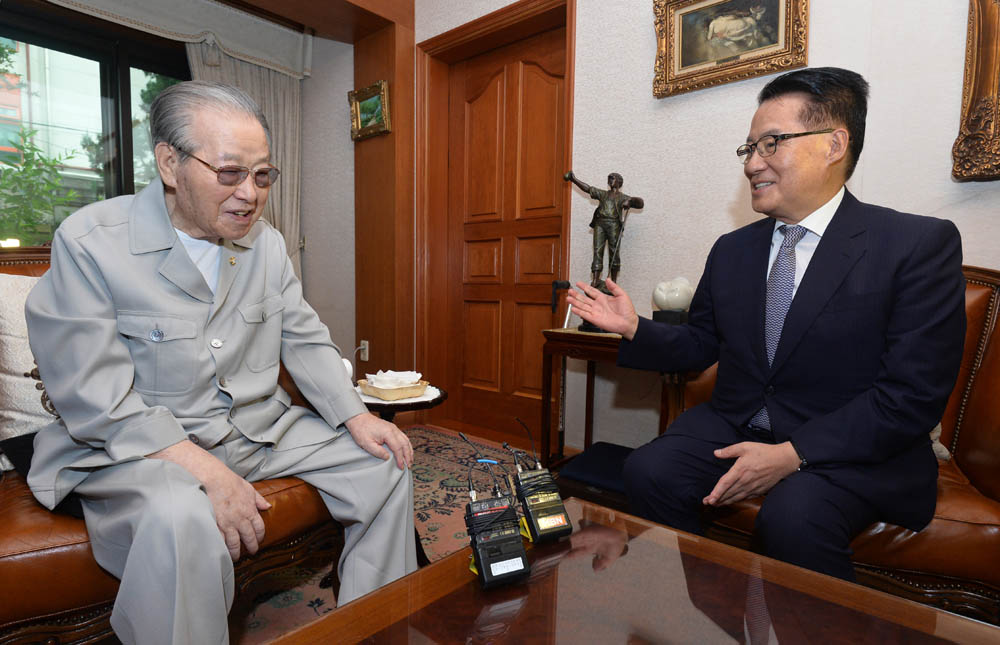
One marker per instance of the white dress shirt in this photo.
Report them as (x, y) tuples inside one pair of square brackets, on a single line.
[(205, 255), (815, 224)]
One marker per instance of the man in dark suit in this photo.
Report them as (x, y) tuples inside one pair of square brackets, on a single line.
[(838, 329)]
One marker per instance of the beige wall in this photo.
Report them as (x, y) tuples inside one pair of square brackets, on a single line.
[(678, 152), (328, 190)]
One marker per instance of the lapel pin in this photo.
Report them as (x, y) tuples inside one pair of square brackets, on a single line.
[(232, 260)]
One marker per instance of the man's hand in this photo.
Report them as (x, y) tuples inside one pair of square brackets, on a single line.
[(235, 501), (612, 313), (758, 467), (371, 432)]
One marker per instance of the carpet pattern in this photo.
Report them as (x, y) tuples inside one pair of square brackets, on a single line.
[(287, 599), (441, 463)]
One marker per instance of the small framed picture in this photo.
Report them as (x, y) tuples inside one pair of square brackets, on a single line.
[(370, 111), (702, 43)]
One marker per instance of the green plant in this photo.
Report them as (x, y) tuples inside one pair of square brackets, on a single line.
[(31, 192), (6, 57)]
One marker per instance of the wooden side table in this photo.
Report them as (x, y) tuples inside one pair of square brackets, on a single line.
[(591, 347), (388, 409)]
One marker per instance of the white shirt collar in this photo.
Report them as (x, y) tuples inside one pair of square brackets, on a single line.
[(819, 219)]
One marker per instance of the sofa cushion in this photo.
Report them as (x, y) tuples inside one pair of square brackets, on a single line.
[(41, 550), (22, 410), (960, 542)]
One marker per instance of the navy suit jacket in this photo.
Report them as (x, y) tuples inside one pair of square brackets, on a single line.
[(868, 355)]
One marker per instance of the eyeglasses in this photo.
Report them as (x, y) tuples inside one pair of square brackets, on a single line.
[(236, 175), (768, 144)]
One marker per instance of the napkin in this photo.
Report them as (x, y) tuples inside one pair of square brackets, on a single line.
[(389, 379)]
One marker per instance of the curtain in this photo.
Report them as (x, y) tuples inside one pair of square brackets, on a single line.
[(237, 32), (280, 98)]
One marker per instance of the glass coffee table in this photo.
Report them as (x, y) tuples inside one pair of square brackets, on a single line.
[(620, 579)]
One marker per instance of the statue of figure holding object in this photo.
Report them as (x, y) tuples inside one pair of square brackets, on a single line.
[(608, 223)]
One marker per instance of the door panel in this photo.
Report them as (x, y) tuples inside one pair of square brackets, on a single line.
[(484, 149), (482, 345), (482, 261), (537, 260), (506, 202), (529, 319), (541, 143)]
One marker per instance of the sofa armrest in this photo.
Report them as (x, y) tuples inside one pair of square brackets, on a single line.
[(698, 388)]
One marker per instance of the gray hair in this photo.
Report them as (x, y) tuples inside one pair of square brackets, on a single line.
[(170, 114)]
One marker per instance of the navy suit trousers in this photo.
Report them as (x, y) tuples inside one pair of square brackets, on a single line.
[(805, 519)]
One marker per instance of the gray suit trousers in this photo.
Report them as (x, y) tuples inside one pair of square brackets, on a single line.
[(152, 526)]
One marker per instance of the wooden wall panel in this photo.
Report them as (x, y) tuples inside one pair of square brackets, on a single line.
[(404, 155), (384, 276)]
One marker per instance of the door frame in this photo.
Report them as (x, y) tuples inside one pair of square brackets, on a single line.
[(434, 58)]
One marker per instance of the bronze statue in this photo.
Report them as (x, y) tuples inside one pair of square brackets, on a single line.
[(608, 224)]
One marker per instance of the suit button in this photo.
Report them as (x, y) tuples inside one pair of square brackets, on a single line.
[(769, 390), (216, 343), (195, 440), (156, 335), (222, 381)]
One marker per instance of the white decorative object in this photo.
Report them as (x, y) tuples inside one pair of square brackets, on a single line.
[(673, 295), (21, 410)]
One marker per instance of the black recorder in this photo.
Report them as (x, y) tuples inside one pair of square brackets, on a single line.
[(494, 533), (538, 493), (544, 512), (496, 541)]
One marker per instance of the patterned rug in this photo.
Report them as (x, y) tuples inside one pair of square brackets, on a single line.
[(292, 597)]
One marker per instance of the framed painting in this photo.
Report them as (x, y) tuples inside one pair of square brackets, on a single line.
[(702, 43), (976, 153), (370, 111)]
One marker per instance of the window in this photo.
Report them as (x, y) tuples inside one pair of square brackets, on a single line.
[(74, 102)]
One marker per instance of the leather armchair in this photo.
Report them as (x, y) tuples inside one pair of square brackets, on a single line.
[(954, 563)]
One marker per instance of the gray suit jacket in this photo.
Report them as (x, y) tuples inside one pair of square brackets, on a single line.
[(137, 354)]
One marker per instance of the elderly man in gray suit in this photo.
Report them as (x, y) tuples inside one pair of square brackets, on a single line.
[(158, 332)]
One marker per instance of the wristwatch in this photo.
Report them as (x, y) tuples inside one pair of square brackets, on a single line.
[(802, 460)]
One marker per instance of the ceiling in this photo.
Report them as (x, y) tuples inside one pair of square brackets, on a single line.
[(335, 19)]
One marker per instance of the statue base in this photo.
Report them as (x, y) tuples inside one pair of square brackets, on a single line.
[(671, 317), (592, 328)]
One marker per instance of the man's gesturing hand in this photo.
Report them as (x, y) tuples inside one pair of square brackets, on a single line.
[(235, 501), (371, 433), (758, 467), (611, 313)]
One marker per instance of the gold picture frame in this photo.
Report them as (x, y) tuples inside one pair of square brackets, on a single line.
[(370, 111), (703, 43), (976, 152)]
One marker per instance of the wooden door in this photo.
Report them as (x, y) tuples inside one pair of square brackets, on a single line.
[(506, 202)]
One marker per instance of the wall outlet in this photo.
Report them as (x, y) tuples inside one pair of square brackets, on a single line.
[(363, 353)]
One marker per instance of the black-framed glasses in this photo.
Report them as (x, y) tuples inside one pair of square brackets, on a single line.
[(768, 144), (236, 175)]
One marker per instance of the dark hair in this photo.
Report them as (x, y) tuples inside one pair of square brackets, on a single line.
[(613, 176), (836, 97)]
